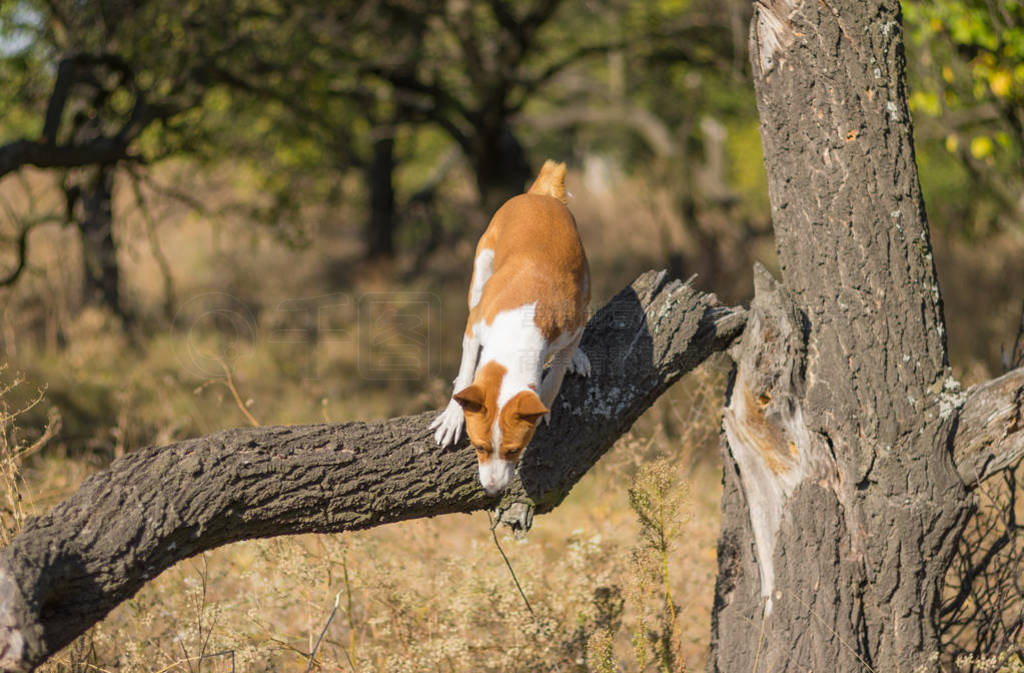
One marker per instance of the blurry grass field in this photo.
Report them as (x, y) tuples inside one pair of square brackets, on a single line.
[(269, 333), (287, 331), (435, 594)]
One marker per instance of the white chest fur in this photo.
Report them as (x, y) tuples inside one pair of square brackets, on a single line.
[(514, 341)]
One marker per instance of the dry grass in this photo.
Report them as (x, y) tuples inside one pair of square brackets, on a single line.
[(435, 594), (421, 595), (16, 445), (620, 577)]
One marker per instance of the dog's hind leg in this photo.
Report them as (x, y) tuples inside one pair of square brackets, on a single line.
[(580, 363), (562, 361)]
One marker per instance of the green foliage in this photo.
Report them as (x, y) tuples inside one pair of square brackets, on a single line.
[(967, 74), (26, 82)]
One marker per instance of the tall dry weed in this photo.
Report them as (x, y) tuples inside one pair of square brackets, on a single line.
[(659, 497), (16, 444)]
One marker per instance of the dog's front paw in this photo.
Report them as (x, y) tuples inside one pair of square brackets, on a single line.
[(580, 363), (448, 424)]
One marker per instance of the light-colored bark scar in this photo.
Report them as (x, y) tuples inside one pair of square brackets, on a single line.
[(769, 440), (764, 421), (771, 31)]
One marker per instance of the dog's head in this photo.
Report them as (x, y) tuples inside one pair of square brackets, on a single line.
[(498, 432)]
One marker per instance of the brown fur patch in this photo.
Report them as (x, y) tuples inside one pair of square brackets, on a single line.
[(550, 181), (538, 257), (480, 403), (518, 422)]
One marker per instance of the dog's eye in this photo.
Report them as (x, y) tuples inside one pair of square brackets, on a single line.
[(513, 454)]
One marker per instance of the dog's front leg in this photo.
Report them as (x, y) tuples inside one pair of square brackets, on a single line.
[(448, 423)]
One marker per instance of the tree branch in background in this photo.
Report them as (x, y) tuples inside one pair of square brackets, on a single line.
[(23, 152), (23, 224), (1014, 358), (531, 83), (96, 149), (990, 435), (522, 31), (162, 262), (658, 136), (21, 252), (444, 109), (67, 569)]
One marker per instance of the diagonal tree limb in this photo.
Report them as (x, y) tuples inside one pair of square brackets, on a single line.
[(67, 569)]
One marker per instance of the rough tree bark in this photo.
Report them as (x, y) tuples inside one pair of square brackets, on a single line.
[(988, 432), (842, 502), (25, 152), (69, 568)]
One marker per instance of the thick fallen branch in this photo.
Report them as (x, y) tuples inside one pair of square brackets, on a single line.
[(990, 433), (66, 570)]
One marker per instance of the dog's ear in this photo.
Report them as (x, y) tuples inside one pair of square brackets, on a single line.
[(471, 399), (527, 406)]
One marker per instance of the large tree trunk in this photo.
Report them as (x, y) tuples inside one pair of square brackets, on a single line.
[(152, 508), (842, 504), (499, 164), (380, 226), (101, 276)]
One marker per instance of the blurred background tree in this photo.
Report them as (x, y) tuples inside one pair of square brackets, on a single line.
[(309, 95), (968, 76), (388, 131), (186, 186)]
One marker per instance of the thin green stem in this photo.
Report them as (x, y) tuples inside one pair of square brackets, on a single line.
[(509, 565), (668, 591)]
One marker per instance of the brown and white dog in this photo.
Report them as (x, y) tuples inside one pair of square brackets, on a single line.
[(527, 307)]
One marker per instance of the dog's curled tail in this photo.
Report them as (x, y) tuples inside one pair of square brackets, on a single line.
[(551, 181)]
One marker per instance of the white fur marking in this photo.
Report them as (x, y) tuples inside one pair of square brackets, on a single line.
[(495, 474), (448, 424), (496, 436), (514, 341), (483, 268)]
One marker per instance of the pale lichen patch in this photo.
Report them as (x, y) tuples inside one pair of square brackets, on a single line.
[(894, 112), (607, 403), (951, 397)]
